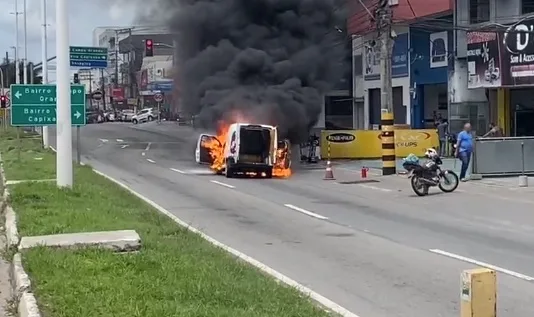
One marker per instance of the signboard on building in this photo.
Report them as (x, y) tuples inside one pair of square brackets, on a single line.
[(438, 49), (399, 59), (117, 93), (518, 42), (483, 60)]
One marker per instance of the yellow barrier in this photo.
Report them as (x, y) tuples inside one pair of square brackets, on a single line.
[(366, 144)]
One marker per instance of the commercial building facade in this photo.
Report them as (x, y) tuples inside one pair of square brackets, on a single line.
[(499, 53), (420, 63)]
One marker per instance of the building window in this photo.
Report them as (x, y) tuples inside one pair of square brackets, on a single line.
[(479, 11), (527, 6), (338, 113), (357, 64)]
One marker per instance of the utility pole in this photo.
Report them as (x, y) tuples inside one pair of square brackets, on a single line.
[(103, 89), (116, 82), (389, 159), (63, 122), (91, 88), (44, 56), (17, 66), (25, 59)]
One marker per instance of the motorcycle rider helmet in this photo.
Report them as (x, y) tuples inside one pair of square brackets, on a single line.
[(431, 153)]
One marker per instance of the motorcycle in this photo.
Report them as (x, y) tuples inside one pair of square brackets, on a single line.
[(430, 174)]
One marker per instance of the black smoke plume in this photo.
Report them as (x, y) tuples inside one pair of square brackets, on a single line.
[(270, 60)]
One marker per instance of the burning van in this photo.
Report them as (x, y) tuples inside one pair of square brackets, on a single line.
[(245, 149)]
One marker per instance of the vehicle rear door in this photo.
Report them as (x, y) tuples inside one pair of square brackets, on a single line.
[(202, 153)]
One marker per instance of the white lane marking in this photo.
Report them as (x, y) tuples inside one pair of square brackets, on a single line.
[(375, 188), (178, 171), (103, 140), (306, 212), (148, 146), (124, 146), (483, 264), (222, 184), (151, 161), (327, 303), (120, 140)]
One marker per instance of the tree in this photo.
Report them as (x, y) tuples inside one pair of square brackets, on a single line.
[(8, 69)]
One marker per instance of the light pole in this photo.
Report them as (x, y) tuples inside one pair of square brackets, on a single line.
[(25, 59), (63, 122), (17, 66), (44, 56)]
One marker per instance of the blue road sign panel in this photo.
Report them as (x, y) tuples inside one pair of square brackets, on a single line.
[(91, 57), (89, 64)]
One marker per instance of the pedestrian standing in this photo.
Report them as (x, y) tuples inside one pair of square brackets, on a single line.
[(494, 131), (442, 134), (464, 149)]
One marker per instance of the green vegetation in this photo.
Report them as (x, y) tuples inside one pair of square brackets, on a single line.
[(176, 273), (24, 157)]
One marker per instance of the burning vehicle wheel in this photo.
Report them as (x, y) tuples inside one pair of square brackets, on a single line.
[(230, 172)]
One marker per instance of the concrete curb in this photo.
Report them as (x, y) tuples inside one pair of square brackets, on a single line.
[(117, 240), (25, 300), (20, 282), (12, 233)]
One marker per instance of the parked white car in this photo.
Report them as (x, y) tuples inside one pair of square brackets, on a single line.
[(127, 115), (144, 115)]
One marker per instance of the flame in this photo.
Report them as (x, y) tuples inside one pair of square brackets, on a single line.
[(281, 168), (216, 147)]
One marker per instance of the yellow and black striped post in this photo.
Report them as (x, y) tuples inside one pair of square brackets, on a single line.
[(389, 160)]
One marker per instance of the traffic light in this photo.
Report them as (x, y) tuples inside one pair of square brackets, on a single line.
[(3, 101), (149, 48), (76, 78)]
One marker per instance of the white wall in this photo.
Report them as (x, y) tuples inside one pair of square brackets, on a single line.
[(458, 91), (158, 67), (403, 82)]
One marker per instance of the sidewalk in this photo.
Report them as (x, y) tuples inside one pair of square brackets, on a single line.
[(448, 163)]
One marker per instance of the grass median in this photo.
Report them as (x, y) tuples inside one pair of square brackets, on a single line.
[(24, 158), (176, 273)]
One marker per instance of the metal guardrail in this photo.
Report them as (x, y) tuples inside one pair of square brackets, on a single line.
[(504, 156)]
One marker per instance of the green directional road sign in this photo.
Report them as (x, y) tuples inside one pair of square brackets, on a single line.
[(86, 56), (35, 105)]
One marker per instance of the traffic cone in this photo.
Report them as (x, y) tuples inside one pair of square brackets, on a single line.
[(329, 174)]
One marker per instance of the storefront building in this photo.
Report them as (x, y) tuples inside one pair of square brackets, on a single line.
[(430, 56), (497, 61), (502, 62)]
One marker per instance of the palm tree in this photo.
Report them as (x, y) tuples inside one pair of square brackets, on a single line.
[(8, 69)]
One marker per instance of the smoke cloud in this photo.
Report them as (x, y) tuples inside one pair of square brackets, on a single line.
[(268, 60)]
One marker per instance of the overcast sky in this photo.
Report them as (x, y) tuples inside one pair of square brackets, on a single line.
[(84, 17)]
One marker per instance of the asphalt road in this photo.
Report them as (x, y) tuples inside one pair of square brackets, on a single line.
[(374, 248)]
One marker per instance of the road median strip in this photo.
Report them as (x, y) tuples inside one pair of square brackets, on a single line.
[(176, 272)]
